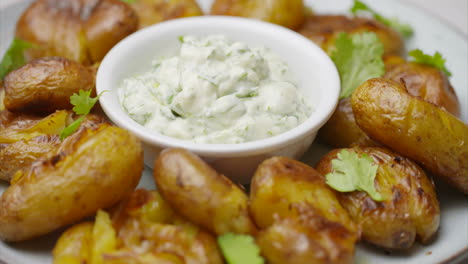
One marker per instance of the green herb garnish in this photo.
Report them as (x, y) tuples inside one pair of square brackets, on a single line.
[(240, 249), (435, 60)]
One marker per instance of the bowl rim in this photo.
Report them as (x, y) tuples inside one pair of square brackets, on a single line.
[(311, 125)]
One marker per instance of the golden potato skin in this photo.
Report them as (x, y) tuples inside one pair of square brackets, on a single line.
[(323, 30), (341, 129), (80, 30), (23, 153), (87, 172), (74, 244), (45, 85), (427, 82), (414, 128), (16, 120), (154, 11), (186, 182), (410, 208), (287, 13), (307, 239), (281, 186)]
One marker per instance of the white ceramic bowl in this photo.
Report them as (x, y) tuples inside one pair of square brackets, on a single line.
[(316, 76)]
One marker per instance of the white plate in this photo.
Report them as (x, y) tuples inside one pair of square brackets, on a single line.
[(431, 35)]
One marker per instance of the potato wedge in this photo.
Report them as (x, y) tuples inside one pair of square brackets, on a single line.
[(410, 208), (87, 172), (74, 244), (281, 186), (307, 239), (187, 182), (323, 30), (427, 82), (154, 11), (45, 85), (80, 30), (286, 13), (414, 128)]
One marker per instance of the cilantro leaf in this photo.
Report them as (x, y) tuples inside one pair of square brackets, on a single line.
[(83, 103), (353, 173), (436, 60), (240, 249), (404, 29), (14, 57), (358, 58)]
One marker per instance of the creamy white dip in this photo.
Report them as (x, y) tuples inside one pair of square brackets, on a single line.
[(215, 91)]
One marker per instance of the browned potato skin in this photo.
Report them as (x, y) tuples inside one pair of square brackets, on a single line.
[(410, 208), (341, 129), (307, 239), (427, 82), (86, 173), (22, 153), (9, 120), (186, 182), (414, 128), (287, 13), (45, 85), (154, 11), (281, 185), (80, 30), (323, 30)]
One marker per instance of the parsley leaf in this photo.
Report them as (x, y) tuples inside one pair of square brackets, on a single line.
[(353, 173), (436, 60), (404, 29), (240, 249), (83, 103), (358, 58), (14, 57)]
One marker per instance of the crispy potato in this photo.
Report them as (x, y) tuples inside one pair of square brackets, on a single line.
[(410, 208), (45, 85), (307, 239), (87, 172), (187, 182), (287, 13), (427, 82), (414, 128), (16, 120), (281, 186), (341, 129), (323, 30), (136, 235), (154, 11), (2, 95), (74, 245), (80, 30), (22, 153), (25, 139)]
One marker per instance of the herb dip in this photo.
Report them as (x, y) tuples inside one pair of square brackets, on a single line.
[(215, 91)]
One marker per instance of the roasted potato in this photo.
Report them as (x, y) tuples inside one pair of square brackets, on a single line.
[(287, 13), (307, 239), (282, 186), (45, 85), (87, 172), (23, 153), (80, 30), (139, 233), (341, 129), (410, 208), (154, 11), (427, 82), (323, 30), (414, 128), (23, 143), (2, 96), (187, 182)]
